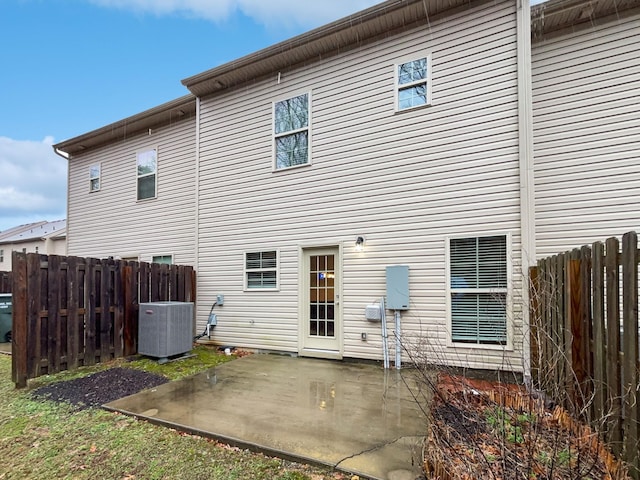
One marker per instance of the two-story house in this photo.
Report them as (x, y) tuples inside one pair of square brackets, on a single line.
[(401, 135)]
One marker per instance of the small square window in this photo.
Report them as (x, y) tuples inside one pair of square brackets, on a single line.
[(291, 124), (261, 270), (413, 84), (94, 177), (164, 259), (147, 172)]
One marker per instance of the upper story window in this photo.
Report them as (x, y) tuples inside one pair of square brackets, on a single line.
[(291, 124), (147, 163), (1, 255), (94, 177), (478, 269), (261, 270), (413, 83)]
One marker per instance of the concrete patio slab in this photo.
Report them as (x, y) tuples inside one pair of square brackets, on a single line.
[(355, 417)]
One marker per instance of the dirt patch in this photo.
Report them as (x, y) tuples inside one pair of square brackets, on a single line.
[(99, 388), (483, 429)]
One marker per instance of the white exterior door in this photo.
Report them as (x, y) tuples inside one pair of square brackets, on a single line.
[(321, 322)]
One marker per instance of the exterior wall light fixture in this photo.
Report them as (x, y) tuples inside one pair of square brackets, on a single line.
[(359, 244)]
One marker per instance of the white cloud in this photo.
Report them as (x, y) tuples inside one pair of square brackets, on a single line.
[(33, 182), (267, 12)]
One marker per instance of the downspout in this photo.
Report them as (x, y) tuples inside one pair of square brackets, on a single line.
[(527, 179), (67, 157), (197, 199)]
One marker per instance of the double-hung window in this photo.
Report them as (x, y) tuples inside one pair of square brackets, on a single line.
[(94, 177), (147, 162), (291, 122), (478, 279), (413, 83), (261, 270)]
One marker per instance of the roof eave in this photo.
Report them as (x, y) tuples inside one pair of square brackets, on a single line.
[(165, 114), (320, 42)]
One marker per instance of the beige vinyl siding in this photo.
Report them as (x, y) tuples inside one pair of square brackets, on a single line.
[(587, 134), (44, 247), (406, 181), (112, 222)]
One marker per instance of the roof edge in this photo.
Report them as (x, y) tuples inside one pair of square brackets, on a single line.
[(301, 40), (132, 125)]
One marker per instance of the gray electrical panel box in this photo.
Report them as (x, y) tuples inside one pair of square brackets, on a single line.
[(398, 287)]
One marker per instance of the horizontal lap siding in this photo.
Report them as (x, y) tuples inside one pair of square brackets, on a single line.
[(587, 134), (112, 222), (405, 181)]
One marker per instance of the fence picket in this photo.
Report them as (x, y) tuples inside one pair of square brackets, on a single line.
[(599, 338), (614, 386), (5, 282), (74, 318), (54, 324), (34, 338), (630, 371), (105, 321)]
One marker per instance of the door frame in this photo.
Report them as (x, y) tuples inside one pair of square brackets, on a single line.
[(303, 287)]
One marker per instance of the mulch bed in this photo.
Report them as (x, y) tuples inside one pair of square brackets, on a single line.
[(482, 429), (99, 388)]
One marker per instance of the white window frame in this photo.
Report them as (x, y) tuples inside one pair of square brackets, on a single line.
[(449, 290), (307, 129), (139, 153), (170, 255), (246, 270), (93, 177), (398, 87)]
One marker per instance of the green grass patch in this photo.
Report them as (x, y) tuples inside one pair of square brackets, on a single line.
[(44, 440)]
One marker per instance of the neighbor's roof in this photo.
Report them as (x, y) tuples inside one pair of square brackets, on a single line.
[(382, 20), (556, 15), (165, 114), (35, 231)]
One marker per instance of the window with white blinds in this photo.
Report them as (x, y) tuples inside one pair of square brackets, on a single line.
[(478, 288), (261, 270)]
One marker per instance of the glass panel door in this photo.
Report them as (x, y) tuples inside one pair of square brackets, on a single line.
[(320, 327)]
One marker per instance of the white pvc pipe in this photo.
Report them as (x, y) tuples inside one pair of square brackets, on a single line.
[(398, 340), (385, 343)]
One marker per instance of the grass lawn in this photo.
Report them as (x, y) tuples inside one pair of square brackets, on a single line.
[(47, 440)]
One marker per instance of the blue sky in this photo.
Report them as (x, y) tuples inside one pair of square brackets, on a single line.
[(71, 66)]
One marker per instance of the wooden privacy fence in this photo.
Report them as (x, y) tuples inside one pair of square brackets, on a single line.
[(585, 347), (71, 311), (5, 282)]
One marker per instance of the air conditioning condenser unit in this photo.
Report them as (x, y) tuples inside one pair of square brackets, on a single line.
[(165, 329)]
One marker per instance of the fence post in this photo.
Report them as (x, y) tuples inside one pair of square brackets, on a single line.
[(19, 329), (631, 375)]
